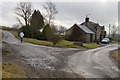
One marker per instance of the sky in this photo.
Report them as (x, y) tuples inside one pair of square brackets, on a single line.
[(104, 12)]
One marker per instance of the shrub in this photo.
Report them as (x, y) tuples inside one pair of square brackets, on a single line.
[(30, 32), (54, 38), (49, 34), (26, 30), (47, 31)]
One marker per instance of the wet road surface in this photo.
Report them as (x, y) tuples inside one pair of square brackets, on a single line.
[(44, 61), (93, 63)]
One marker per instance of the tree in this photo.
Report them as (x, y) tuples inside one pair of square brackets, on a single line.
[(16, 26), (50, 35), (37, 20), (62, 29), (47, 31), (24, 10), (26, 30), (54, 27), (50, 9), (58, 28), (30, 32), (113, 31)]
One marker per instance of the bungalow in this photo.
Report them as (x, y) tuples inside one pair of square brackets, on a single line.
[(80, 33)]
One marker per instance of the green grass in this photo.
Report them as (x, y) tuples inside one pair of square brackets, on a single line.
[(114, 42), (38, 42), (91, 45), (15, 33), (61, 43), (68, 44), (116, 55), (5, 27), (12, 70), (64, 43)]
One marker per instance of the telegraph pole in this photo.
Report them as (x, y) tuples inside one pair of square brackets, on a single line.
[(109, 30)]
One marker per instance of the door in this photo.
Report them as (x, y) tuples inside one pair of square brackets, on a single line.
[(91, 38)]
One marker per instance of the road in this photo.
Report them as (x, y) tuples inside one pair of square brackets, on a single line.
[(43, 61), (95, 63)]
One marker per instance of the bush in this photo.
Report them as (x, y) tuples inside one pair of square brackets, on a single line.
[(54, 38), (38, 35), (26, 30), (50, 35), (47, 31), (30, 32)]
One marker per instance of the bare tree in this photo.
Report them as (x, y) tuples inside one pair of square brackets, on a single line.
[(50, 9), (113, 31), (62, 29), (19, 21), (24, 10), (16, 26)]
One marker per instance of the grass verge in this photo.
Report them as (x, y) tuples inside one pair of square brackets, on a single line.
[(68, 44), (116, 55), (38, 42), (12, 70), (61, 43), (114, 42), (91, 45)]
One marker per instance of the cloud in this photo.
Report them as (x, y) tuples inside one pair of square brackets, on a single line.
[(68, 12), (60, 0), (100, 13)]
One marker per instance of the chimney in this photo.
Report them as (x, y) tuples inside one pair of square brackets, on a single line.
[(86, 19)]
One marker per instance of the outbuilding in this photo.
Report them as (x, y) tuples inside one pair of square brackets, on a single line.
[(80, 33)]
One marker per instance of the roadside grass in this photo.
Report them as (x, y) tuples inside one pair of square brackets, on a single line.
[(5, 27), (114, 42), (91, 45), (61, 43), (15, 33), (116, 55), (64, 43), (12, 30), (68, 44), (38, 42), (12, 70)]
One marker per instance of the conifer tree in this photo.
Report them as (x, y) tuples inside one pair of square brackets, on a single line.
[(37, 20)]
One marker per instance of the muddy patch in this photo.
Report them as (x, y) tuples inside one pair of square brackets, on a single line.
[(42, 67)]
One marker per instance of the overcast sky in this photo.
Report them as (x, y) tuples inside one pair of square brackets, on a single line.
[(104, 12)]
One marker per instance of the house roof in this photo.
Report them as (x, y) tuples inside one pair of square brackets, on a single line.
[(90, 25), (85, 29)]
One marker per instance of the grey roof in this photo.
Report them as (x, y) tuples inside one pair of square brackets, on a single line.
[(85, 29)]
